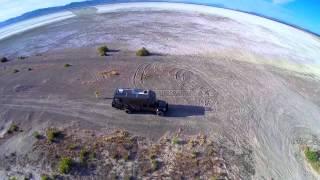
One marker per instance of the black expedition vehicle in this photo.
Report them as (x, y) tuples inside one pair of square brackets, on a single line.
[(137, 100)]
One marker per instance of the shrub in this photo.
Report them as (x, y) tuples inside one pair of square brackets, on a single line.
[(312, 156), (143, 52), (194, 154), (84, 154), (72, 146), (22, 57), (36, 134), (52, 134), (175, 140), (67, 65), (3, 59), (45, 177), (15, 71), (29, 69), (154, 165), (103, 50), (13, 128), (65, 165)]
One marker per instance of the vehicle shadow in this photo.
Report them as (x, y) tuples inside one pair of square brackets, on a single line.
[(176, 110)]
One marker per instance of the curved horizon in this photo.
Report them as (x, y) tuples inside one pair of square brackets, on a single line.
[(277, 13)]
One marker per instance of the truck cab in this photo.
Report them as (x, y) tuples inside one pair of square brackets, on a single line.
[(138, 100)]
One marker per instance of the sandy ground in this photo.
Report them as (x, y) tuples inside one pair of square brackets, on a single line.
[(249, 87)]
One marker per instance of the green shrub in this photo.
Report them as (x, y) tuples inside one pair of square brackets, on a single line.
[(103, 50), (194, 154), (13, 128), (65, 165), (67, 65), (36, 134), (45, 177), (313, 159), (312, 156), (84, 154), (143, 52), (3, 59), (175, 140), (154, 165), (52, 134), (13, 178)]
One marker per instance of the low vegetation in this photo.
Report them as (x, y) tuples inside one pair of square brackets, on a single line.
[(84, 156), (67, 65), (65, 165), (143, 52), (3, 59), (13, 128), (22, 57), (175, 140), (121, 155), (16, 71), (53, 134), (313, 158), (45, 177), (36, 135), (103, 50)]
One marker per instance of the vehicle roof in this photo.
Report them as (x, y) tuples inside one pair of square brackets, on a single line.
[(134, 93)]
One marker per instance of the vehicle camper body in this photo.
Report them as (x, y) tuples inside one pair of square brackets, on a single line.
[(138, 100)]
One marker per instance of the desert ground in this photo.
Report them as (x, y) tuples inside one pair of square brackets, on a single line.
[(250, 84)]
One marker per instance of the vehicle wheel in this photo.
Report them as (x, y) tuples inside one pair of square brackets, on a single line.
[(160, 113), (128, 111)]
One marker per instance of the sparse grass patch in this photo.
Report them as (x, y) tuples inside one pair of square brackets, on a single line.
[(65, 165), (102, 50), (3, 59), (67, 65), (313, 158), (13, 128), (52, 134), (72, 146), (107, 74), (142, 52)]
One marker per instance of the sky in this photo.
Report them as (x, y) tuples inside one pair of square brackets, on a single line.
[(303, 13)]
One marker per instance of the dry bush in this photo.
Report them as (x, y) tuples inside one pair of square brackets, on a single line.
[(143, 52), (3, 59), (103, 50)]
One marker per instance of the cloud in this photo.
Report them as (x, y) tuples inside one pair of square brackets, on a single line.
[(282, 1)]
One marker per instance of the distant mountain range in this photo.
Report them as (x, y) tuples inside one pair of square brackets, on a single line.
[(74, 5)]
